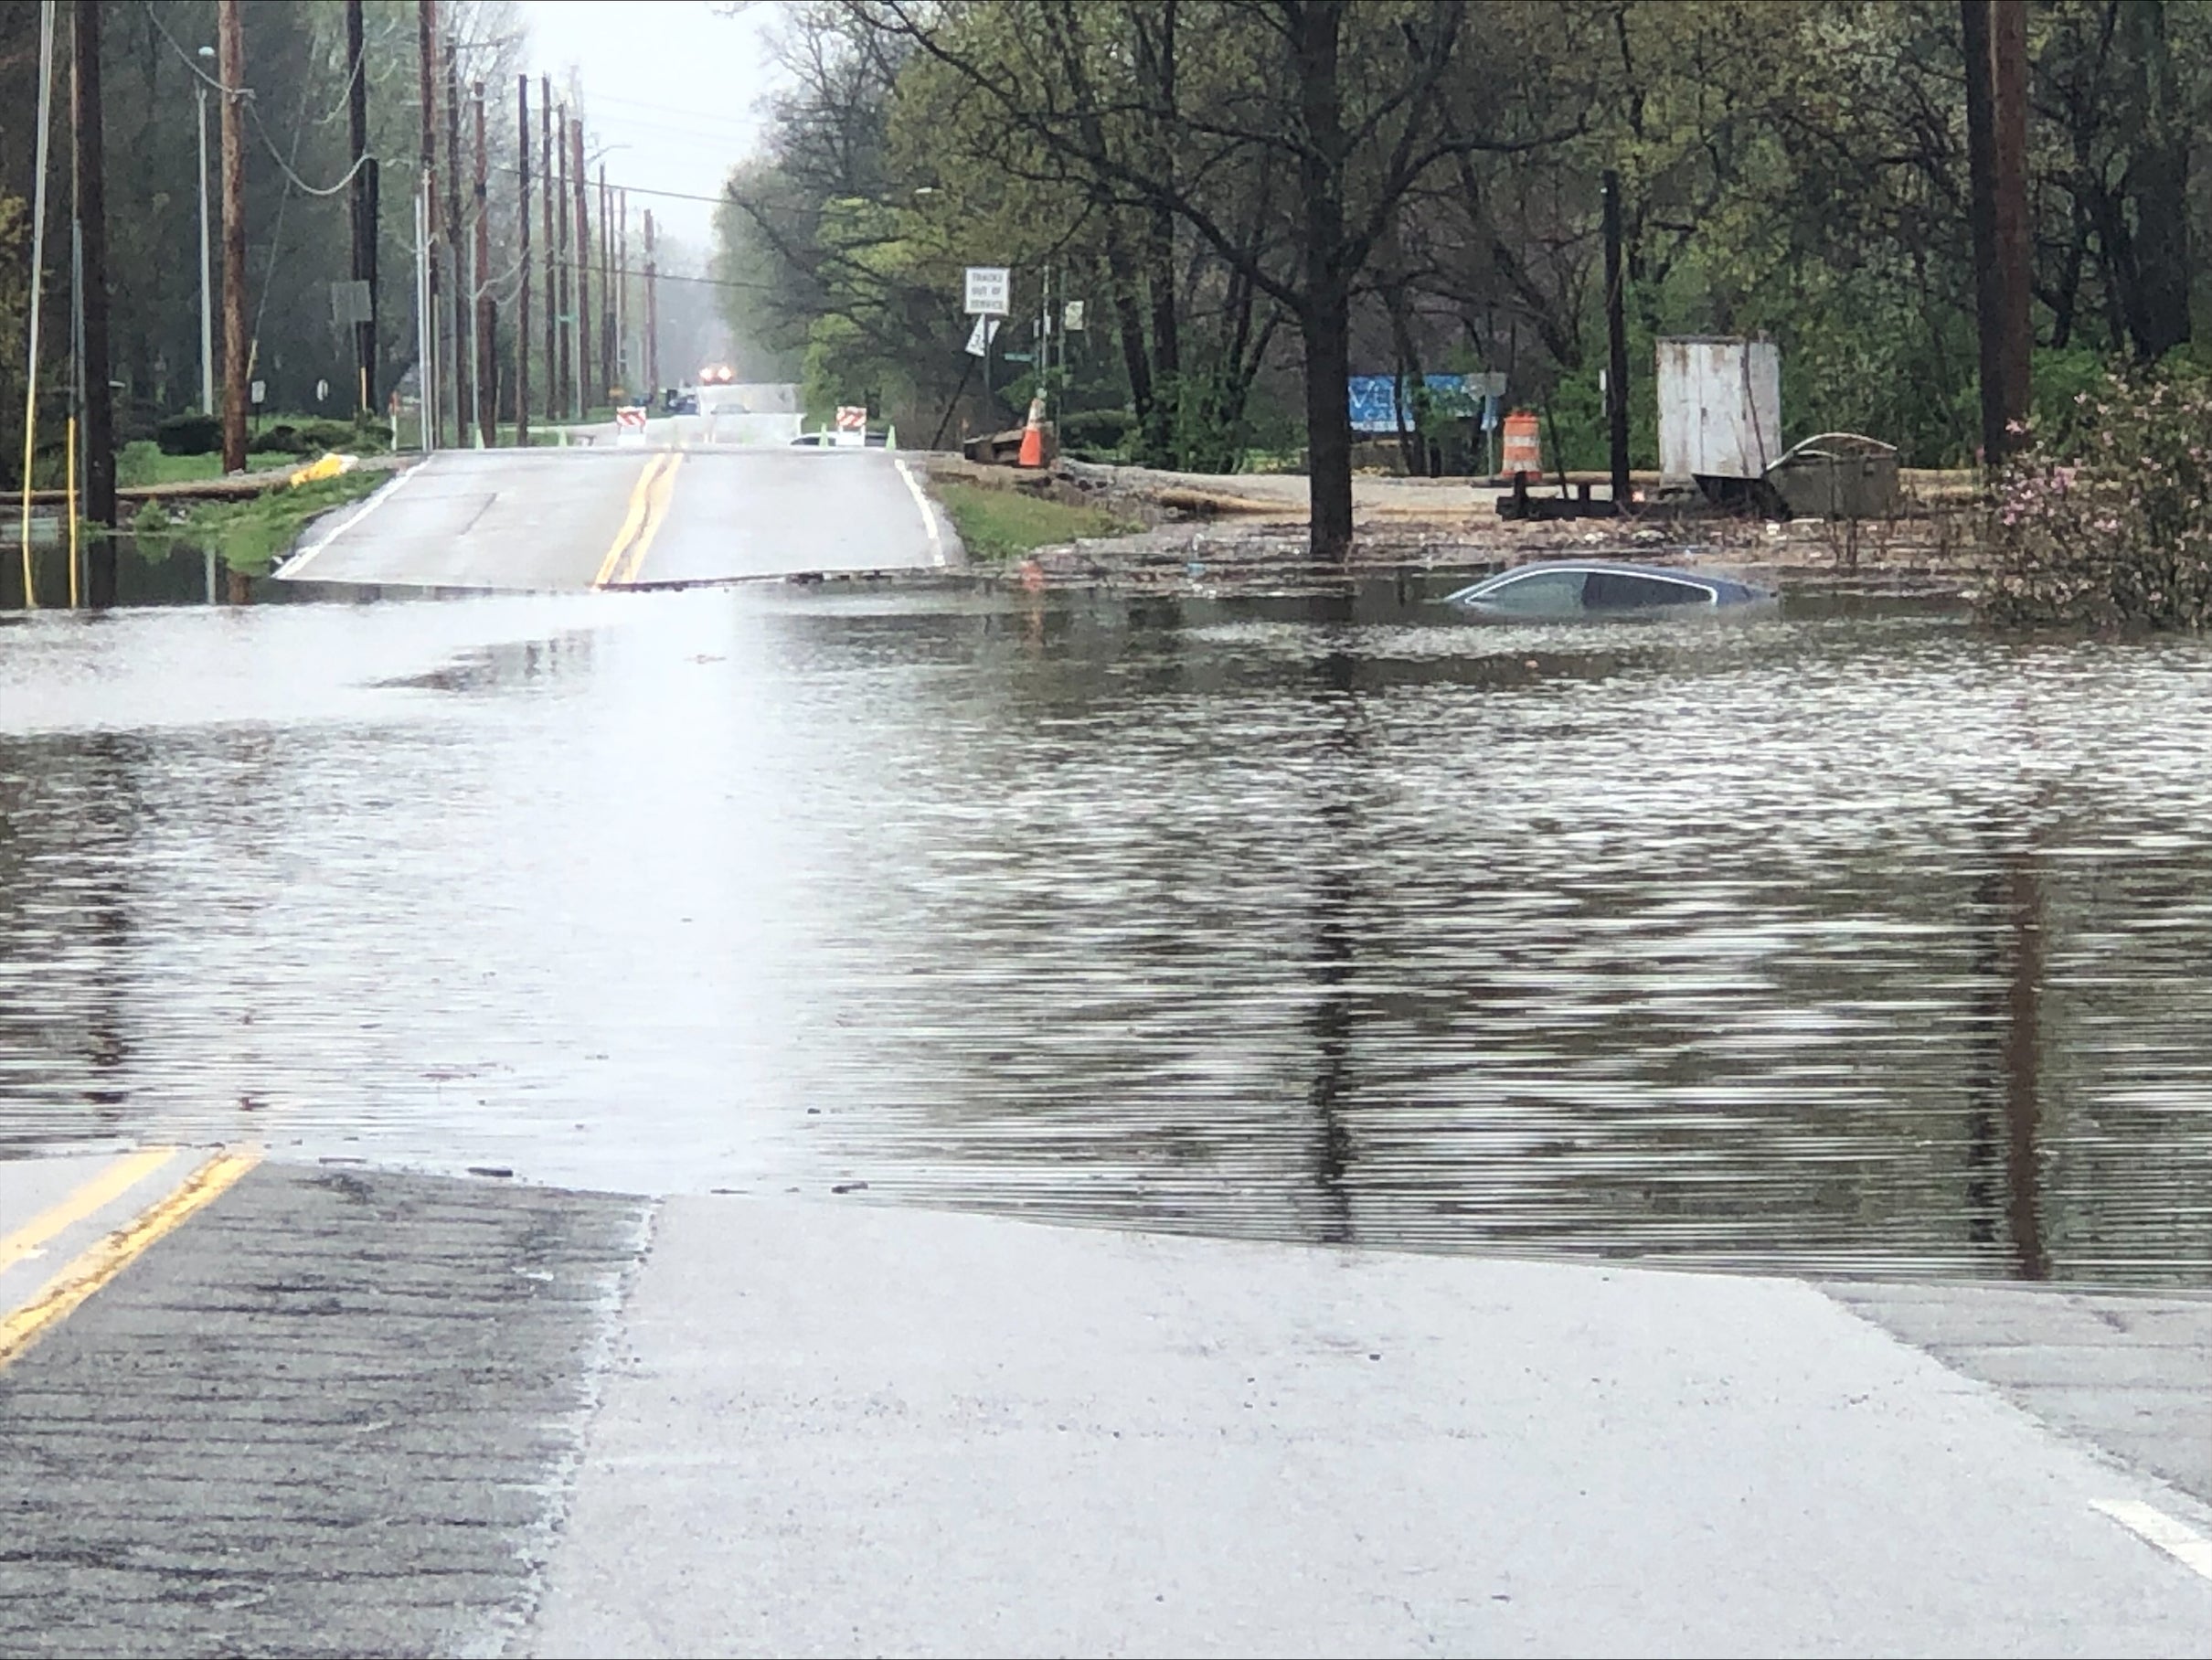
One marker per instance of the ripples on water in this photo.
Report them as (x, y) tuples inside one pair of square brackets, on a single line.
[(1864, 944)]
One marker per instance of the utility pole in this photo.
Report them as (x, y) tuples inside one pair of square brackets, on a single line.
[(231, 41), (206, 262), (425, 368), (1994, 36), (522, 321), (364, 210), (584, 400), (460, 308), (558, 178), (1616, 347), (621, 293), (487, 379), (87, 164), (606, 285), (546, 195), (653, 316)]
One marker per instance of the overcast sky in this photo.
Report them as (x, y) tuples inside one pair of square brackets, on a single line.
[(672, 81)]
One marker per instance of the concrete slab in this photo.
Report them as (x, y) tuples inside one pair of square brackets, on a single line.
[(841, 1431)]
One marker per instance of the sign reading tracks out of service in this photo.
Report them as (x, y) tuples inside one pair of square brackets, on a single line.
[(989, 290)]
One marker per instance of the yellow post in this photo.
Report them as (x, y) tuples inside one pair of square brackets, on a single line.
[(71, 463)]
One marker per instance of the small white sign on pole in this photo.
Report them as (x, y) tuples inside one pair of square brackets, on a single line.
[(980, 335), (990, 289)]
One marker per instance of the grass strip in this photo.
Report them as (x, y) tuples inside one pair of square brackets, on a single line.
[(1007, 524)]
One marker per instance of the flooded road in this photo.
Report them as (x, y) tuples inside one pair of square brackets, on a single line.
[(1843, 942)]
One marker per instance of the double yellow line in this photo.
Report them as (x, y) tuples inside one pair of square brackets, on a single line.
[(107, 1257), (648, 508)]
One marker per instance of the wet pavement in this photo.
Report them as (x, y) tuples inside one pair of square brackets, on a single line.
[(357, 1412), (1847, 941), (555, 519)]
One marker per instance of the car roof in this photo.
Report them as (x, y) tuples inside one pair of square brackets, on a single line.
[(1664, 573)]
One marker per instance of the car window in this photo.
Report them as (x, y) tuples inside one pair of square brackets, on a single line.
[(1543, 593), (1619, 591)]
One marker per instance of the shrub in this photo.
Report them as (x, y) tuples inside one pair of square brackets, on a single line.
[(2108, 523), (193, 434), (278, 440)]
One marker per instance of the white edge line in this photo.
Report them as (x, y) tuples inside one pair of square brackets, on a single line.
[(290, 568), (2147, 1522), (929, 514)]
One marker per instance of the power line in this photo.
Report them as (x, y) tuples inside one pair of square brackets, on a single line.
[(673, 196), (245, 96)]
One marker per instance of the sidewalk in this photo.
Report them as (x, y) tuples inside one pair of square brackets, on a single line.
[(344, 1410)]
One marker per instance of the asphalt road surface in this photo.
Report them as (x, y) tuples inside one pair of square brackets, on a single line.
[(677, 509), (247, 1408)]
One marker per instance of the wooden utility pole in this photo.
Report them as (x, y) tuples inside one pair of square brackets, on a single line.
[(606, 284), (1995, 38), (653, 317), (364, 209), (547, 192), (426, 370), (1616, 340), (458, 356), (487, 380), (522, 319), (584, 389), (621, 293), (232, 45), (88, 164)]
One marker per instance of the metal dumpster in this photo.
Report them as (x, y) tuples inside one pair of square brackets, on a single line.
[(1837, 475)]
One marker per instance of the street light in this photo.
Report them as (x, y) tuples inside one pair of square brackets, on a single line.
[(206, 314)]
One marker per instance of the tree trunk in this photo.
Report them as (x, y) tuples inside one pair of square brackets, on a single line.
[(1326, 314), (1981, 174), (2160, 313)]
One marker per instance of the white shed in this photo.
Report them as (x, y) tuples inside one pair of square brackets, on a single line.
[(1719, 408)]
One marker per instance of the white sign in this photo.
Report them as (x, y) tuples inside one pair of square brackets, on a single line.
[(852, 425), (982, 335), (322, 390), (261, 389), (1071, 316), (989, 287), (1491, 384), (630, 426)]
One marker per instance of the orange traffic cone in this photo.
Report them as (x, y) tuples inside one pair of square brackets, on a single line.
[(1033, 436)]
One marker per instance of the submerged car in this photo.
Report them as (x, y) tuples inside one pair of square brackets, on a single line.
[(1557, 588)]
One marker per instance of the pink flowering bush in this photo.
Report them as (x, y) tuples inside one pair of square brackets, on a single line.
[(2107, 522)]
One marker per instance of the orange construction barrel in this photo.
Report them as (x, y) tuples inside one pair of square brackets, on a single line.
[(1523, 451)]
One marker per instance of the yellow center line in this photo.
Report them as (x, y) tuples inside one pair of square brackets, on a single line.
[(102, 1260), (640, 493), (656, 515), (117, 1178)]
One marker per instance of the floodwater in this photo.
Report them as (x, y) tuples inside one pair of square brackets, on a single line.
[(1833, 941)]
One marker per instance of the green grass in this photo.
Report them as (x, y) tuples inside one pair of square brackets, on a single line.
[(1007, 524), (250, 534), (142, 463)]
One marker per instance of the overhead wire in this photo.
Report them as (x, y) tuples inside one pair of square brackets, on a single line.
[(245, 96)]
